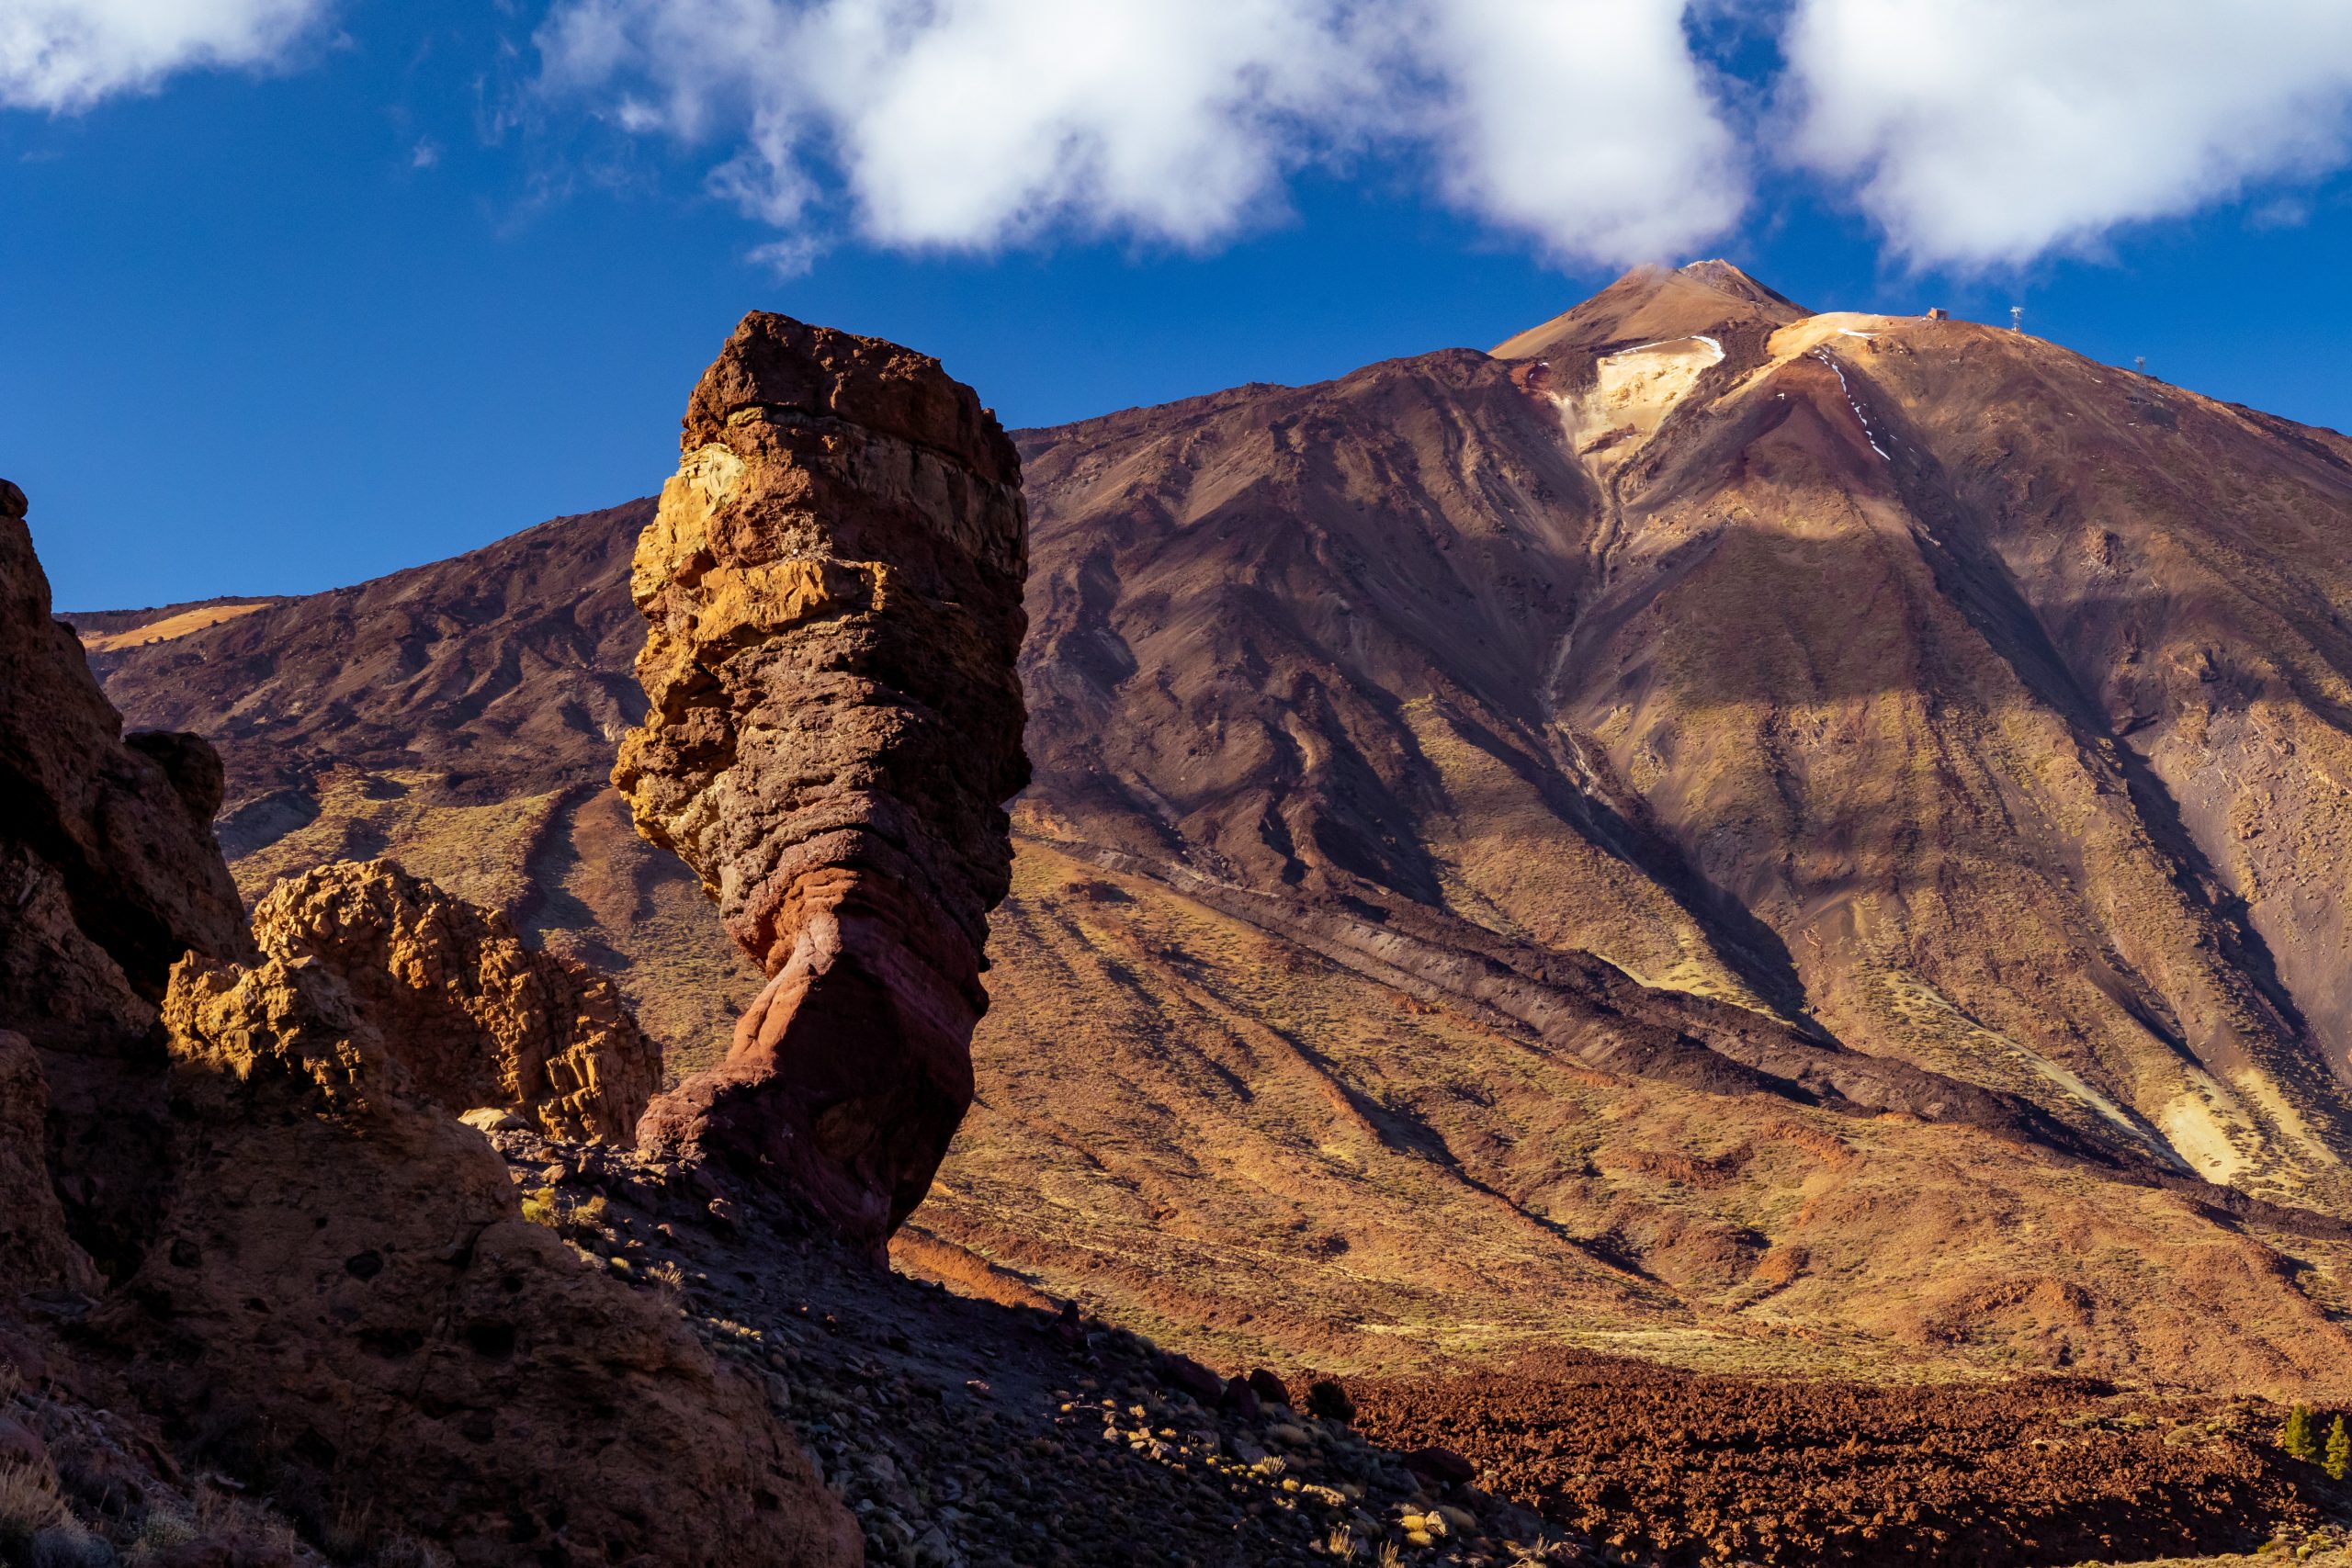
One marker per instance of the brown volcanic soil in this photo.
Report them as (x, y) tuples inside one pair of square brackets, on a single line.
[(1688, 1470), (1385, 728)]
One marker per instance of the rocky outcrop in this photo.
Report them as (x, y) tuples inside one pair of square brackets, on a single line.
[(315, 1281), (346, 1304), (833, 587), (109, 835), (108, 874), (477, 1018)]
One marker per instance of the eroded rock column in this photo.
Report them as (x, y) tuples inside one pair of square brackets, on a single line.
[(834, 589)]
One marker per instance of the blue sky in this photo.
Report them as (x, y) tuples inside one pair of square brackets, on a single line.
[(339, 287)]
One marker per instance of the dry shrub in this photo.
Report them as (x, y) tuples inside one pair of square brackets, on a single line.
[(29, 1501)]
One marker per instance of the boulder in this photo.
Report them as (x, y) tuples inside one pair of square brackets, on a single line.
[(1328, 1400), (1182, 1375), (480, 1021), (1442, 1466), (1269, 1387), (347, 1306), (832, 589)]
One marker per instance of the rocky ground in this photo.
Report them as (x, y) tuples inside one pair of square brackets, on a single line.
[(1672, 1469), (83, 1485), (967, 1433)]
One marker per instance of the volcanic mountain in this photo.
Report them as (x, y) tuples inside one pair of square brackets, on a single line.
[(1752, 838)]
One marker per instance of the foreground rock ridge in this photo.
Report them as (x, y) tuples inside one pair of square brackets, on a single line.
[(247, 1254), (833, 592), (109, 875), (349, 1296)]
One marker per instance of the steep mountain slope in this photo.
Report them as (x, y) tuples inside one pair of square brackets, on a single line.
[(1918, 677), (1753, 838)]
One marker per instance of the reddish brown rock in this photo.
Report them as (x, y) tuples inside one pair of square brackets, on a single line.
[(316, 1282), (107, 825), (833, 587), (346, 1299), (479, 1020), (35, 1251), (109, 873)]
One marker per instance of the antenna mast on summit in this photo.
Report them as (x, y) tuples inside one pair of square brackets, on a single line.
[(2016, 318)]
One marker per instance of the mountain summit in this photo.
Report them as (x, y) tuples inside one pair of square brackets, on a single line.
[(1651, 303)]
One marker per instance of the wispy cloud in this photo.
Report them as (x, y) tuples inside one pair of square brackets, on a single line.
[(1984, 132), (65, 55)]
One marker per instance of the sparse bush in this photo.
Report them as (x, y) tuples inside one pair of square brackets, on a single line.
[(402, 1550), (159, 1531), (29, 1504), (249, 1524), (1341, 1543), (2339, 1451), (2300, 1436), (539, 1207)]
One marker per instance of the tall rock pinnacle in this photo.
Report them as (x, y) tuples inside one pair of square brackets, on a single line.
[(833, 586)]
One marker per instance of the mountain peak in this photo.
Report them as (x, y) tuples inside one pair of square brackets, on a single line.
[(1652, 302), (1724, 277)]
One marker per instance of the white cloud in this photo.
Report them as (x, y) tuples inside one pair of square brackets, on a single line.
[(1588, 123), (1989, 131), (64, 55), (974, 123)]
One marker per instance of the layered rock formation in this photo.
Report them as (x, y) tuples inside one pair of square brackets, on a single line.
[(834, 589), (477, 1018)]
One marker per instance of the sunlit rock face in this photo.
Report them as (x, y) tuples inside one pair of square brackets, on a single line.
[(834, 585)]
